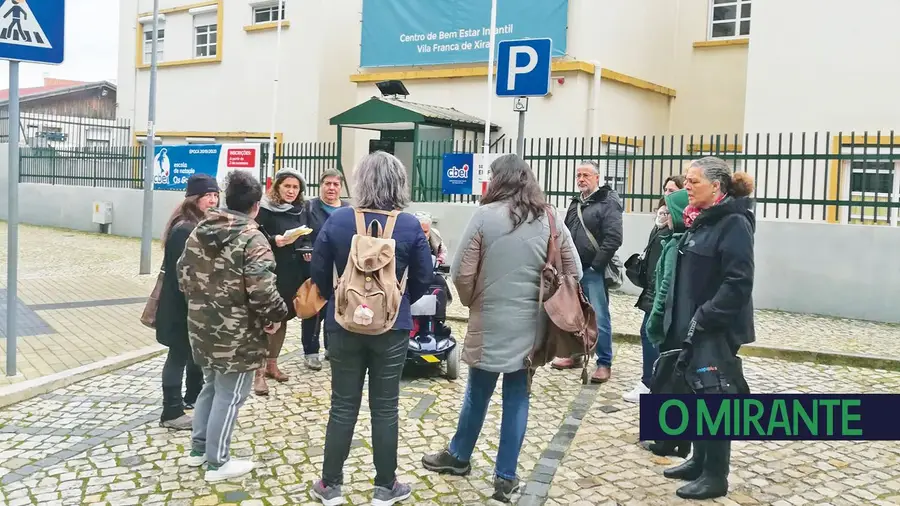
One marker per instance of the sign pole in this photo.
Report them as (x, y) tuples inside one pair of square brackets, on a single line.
[(520, 137), (147, 222), (271, 157), (490, 106), (12, 227)]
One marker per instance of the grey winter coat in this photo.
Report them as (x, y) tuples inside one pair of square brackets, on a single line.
[(496, 271)]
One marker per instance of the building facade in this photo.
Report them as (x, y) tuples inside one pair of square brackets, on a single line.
[(649, 84)]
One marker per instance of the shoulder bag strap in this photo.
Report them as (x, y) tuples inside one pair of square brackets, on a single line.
[(590, 236), (551, 241)]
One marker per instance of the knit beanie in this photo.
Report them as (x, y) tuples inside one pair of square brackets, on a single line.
[(201, 184), (289, 172)]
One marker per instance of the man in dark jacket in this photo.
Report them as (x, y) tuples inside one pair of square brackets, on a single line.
[(597, 232)]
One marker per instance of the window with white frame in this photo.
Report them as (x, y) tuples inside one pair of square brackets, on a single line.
[(616, 174), (148, 40), (206, 34), (729, 19), (873, 181), (267, 13)]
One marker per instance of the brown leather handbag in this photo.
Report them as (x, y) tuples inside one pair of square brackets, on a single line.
[(148, 317), (308, 301), (571, 320)]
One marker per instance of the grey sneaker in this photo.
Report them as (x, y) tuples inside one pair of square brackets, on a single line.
[(445, 463), (312, 361), (504, 489), (326, 354), (328, 495), (388, 496), (183, 422)]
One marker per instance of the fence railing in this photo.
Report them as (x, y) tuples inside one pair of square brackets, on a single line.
[(309, 158), (42, 130), (123, 167), (114, 167), (846, 177)]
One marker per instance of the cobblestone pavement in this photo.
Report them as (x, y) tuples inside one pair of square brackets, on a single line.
[(79, 300), (97, 442), (777, 329)]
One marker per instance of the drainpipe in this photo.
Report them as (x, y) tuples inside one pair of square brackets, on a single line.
[(593, 110)]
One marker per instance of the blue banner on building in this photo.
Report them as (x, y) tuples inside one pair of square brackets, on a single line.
[(434, 32), (174, 164)]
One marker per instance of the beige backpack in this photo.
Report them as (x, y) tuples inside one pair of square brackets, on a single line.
[(367, 296)]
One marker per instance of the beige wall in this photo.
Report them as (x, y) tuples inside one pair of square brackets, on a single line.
[(817, 65), (711, 81), (236, 94)]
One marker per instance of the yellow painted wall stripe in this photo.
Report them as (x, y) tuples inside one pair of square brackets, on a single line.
[(722, 43), (260, 27), (481, 71)]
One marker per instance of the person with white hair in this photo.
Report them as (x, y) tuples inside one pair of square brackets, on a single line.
[(381, 189), (435, 241)]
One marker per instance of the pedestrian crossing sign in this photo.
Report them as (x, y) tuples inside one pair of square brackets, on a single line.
[(32, 30)]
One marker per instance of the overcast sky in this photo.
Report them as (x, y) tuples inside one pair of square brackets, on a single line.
[(92, 39)]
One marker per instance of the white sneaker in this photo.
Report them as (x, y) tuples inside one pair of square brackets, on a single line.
[(635, 394), (195, 459), (232, 469)]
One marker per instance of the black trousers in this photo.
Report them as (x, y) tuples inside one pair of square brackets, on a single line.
[(353, 356), (179, 363)]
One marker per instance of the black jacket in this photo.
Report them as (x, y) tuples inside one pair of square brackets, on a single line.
[(290, 269), (171, 314), (602, 212), (315, 218), (651, 257), (712, 297)]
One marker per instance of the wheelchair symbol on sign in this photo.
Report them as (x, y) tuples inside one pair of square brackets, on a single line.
[(520, 104)]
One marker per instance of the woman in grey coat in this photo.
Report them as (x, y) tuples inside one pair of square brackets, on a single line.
[(497, 271)]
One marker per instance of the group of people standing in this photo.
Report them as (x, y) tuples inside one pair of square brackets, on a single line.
[(231, 276)]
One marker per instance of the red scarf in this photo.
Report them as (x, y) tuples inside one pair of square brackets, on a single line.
[(691, 212)]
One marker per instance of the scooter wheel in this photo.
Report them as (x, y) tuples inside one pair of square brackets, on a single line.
[(453, 363)]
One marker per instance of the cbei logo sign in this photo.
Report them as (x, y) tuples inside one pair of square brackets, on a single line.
[(458, 173)]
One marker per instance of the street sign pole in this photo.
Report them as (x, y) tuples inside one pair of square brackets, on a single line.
[(35, 34), (520, 105), (271, 157), (147, 221), (490, 72), (12, 226)]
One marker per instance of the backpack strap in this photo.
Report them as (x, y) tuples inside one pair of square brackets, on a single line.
[(389, 224), (360, 222)]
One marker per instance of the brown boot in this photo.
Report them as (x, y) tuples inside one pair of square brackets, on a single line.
[(272, 371), (562, 363), (601, 374), (259, 382)]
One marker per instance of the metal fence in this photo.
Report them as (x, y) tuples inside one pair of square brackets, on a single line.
[(41, 130), (309, 158), (845, 177), (114, 167), (123, 167)]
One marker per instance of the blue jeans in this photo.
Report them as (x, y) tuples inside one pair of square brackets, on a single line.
[(649, 351), (594, 285), (513, 423)]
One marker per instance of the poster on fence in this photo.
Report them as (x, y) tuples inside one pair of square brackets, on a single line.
[(466, 173), (174, 164)]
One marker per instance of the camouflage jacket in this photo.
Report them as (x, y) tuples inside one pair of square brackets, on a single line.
[(227, 274)]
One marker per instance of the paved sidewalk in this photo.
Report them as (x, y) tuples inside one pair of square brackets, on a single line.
[(777, 330), (79, 300), (97, 442)]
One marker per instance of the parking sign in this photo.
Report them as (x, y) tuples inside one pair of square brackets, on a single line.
[(523, 67)]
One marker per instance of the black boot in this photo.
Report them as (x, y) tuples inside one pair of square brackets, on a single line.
[(173, 405), (690, 469), (713, 481), (670, 448)]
